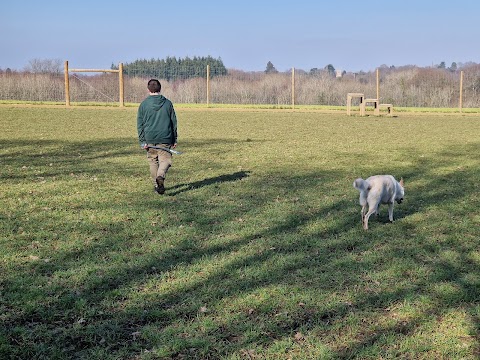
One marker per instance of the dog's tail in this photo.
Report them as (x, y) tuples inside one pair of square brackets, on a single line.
[(360, 184)]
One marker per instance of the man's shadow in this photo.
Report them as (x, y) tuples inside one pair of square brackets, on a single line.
[(177, 189)]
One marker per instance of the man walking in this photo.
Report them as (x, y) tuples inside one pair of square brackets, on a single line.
[(157, 126)]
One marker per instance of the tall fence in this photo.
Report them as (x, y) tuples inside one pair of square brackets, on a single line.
[(403, 87)]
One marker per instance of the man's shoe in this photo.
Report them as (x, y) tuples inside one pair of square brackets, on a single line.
[(160, 188)]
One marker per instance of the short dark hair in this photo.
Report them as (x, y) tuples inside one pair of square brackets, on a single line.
[(154, 86)]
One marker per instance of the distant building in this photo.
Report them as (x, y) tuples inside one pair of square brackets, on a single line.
[(338, 73)]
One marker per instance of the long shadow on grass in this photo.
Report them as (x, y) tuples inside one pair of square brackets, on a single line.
[(221, 286), (180, 188), (164, 308), (27, 159), (24, 159)]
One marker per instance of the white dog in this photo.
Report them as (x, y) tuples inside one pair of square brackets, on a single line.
[(376, 190)]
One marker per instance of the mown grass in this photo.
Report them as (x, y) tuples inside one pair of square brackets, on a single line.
[(255, 251)]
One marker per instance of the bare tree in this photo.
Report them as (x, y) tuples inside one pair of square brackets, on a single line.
[(44, 66)]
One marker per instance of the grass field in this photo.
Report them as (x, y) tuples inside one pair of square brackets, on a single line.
[(256, 251)]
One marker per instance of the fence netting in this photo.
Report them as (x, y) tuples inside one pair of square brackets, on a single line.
[(403, 87)]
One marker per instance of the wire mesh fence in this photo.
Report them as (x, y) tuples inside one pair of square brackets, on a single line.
[(404, 87), (31, 87)]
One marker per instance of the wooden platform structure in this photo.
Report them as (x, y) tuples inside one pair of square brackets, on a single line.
[(364, 102), (376, 108), (389, 108), (351, 96)]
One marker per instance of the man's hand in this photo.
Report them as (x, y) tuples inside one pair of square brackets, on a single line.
[(144, 146), (174, 146)]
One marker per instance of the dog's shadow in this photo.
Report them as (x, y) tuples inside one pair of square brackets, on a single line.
[(180, 188)]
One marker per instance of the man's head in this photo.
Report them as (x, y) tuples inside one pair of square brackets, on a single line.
[(154, 86)]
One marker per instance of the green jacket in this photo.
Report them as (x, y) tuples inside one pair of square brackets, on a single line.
[(156, 121)]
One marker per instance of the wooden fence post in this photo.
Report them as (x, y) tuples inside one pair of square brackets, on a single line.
[(293, 88), (121, 85), (67, 85), (208, 86), (461, 91)]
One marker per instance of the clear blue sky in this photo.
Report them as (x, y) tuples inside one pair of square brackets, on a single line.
[(350, 35)]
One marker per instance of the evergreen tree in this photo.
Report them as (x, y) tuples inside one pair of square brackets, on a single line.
[(330, 69), (172, 68), (270, 68)]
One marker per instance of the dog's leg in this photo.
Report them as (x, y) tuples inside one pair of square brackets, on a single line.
[(373, 205), (364, 210), (390, 212), (371, 210)]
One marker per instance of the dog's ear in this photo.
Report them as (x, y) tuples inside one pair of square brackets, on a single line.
[(401, 182)]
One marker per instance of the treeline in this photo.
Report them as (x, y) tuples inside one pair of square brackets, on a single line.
[(172, 68)]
